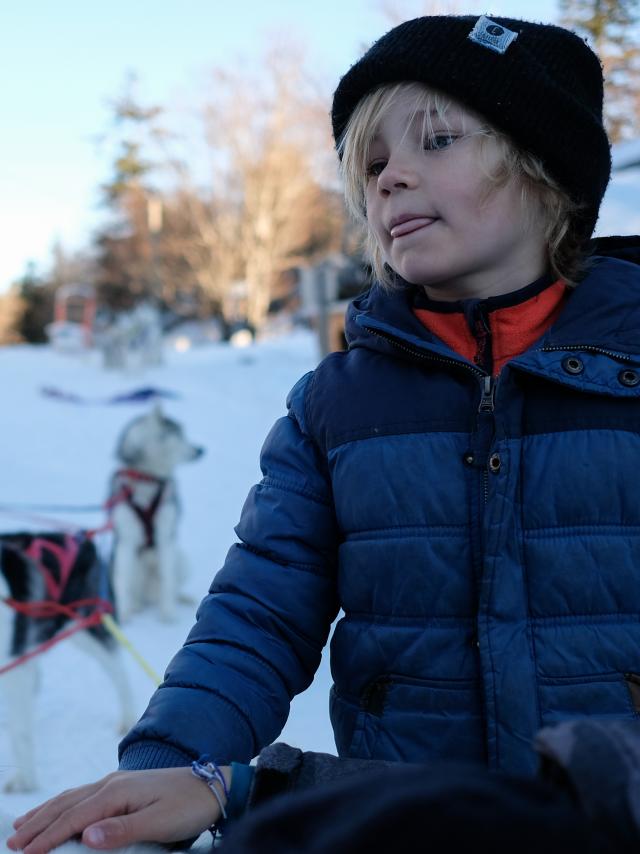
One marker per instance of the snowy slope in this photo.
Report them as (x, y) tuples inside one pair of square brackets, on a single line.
[(54, 452)]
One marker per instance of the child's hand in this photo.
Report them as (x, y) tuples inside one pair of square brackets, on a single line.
[(163, 805)]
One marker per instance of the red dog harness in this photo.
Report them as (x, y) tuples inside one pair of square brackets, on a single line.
[(125, 494), (65, 555)]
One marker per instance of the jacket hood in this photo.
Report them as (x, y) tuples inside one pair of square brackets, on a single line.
[(602, 312)]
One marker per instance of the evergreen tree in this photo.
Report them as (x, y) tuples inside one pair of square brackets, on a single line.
[(127, 268), (612, 29), (35, 310)]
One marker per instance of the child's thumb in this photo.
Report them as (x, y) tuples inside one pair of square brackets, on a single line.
[(110, 833)]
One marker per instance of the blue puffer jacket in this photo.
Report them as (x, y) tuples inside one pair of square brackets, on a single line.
[(483, 540)]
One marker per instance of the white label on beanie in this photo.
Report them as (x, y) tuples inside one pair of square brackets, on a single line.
[(489, 34)]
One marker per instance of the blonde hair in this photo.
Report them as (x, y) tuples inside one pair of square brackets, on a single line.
[(540, 194)]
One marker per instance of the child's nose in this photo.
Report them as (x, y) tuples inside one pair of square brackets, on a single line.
[(397, 174)]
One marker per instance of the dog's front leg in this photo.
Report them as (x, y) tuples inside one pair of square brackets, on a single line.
[(20, 688), (108, 655), (126, 579)]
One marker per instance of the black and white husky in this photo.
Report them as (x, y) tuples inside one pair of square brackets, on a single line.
[(148, 566), (46, 579)]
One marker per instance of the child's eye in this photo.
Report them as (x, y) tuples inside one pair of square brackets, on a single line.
[(439, 141), (375, 168)]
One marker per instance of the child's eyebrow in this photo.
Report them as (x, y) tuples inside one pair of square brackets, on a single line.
[(424, 114), (418, 114), (432, 118), (451, 116)]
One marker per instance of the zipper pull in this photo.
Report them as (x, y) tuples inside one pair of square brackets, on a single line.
[(488, 393)]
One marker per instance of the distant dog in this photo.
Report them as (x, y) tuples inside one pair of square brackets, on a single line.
[(41, 575), (148, 566)]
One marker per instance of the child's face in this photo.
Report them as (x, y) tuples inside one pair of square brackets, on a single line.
[(430, 211)]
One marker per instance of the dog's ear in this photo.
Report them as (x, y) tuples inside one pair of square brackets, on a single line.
[(128, 450)]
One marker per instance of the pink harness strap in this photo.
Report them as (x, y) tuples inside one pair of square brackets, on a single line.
[(65, 556), (47, 609)]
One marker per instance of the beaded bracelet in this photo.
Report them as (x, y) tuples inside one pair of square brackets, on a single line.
[(205, 769)]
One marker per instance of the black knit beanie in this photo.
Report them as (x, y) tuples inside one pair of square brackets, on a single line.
[(540, 84)]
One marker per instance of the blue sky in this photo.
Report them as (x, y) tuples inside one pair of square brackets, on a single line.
[(62, 60)]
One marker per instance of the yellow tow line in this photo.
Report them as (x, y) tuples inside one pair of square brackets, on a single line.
[(111, 626)]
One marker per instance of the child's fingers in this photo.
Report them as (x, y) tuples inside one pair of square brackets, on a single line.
[(63, 818), (158, 822), (114, 832), (64, 799), (166, 805), (21, 819), (48, 837), (149, 824)]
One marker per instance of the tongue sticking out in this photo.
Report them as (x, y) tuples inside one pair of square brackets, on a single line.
[(411, 225)]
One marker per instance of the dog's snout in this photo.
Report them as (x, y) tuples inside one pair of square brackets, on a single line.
[(198, 452)]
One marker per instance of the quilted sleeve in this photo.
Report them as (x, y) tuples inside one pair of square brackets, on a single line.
[(259, 633)]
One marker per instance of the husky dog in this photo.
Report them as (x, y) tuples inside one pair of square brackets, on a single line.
[(48, 573), (147, 564)]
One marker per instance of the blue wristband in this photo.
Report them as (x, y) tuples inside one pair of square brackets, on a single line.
[(241, 779)]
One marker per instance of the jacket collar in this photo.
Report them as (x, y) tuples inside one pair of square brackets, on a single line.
[(603, 313)]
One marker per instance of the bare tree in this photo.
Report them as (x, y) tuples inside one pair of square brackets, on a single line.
[(199, 239), (266, 203), (267, 206)]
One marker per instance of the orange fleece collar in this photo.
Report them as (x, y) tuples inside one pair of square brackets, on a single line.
[(490, 333)]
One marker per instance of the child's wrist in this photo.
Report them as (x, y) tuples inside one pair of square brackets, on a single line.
[(217, 779)]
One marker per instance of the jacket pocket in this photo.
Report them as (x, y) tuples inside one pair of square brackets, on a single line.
[(602, 695), (411, 719), (367, 727), (633, 686), (355, 719)]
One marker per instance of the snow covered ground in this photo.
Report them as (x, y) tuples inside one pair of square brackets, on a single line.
[(54, 452)]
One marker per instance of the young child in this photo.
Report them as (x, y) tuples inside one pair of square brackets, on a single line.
[(462, 482)]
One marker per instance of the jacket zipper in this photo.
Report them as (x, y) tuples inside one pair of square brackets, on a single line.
[(487, 405), (590, 349), (487, 398), (428, 356), (488, 390)]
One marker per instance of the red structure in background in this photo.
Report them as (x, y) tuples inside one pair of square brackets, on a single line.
[(76, 305)]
